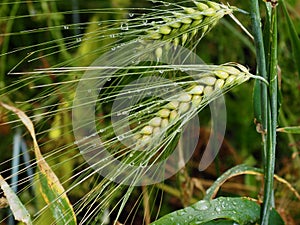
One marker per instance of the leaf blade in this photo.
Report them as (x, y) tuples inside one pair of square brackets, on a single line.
[(18, 209), (291, 130), (294, 38), (51, 188)]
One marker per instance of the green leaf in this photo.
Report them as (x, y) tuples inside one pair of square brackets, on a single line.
[(293, 37), (235, 171), (220, 222), (240, 210), (18, 209), (51, 188), (291, 130)]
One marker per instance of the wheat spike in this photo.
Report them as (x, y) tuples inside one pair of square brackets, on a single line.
[(182, 26), (206, 87)]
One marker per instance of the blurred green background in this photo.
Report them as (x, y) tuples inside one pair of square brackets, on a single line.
[(53, 31)]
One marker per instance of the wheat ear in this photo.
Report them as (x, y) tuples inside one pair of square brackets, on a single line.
[(206, 87), (182, 26)]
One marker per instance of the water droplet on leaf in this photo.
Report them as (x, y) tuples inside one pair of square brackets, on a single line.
[(124, 26), (202, 205)]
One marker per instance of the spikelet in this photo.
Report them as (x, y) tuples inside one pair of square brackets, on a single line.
[(206, 87), (183, 26)]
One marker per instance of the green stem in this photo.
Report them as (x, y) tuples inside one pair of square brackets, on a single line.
[(261, 60), (261, 70), (268, 102), (272, 122)]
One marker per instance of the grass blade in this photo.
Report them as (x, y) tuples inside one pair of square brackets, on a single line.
[(290, 130), (295, 41), (240, 210), (51, 188), (19, 211)]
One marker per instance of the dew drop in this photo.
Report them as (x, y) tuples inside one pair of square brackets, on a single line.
[(218, 209), (120, 137), (131, 14), (124, 26), (145, 22), (181, 213), (66, 27), (202, 205)]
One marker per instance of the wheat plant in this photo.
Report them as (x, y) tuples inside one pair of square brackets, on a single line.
[(112, 107)]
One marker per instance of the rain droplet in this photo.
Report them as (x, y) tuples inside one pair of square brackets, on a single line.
[(145, 22), (124, 26), (181, 213), (66, 27), (131, 14), (202, 205), (218, 209), (120, 137)]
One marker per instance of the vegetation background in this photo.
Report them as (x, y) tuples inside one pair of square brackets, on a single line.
[(56, 30)]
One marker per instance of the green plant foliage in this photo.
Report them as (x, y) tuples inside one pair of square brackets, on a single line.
[(47, 47), (19, 211), (240, 210)]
